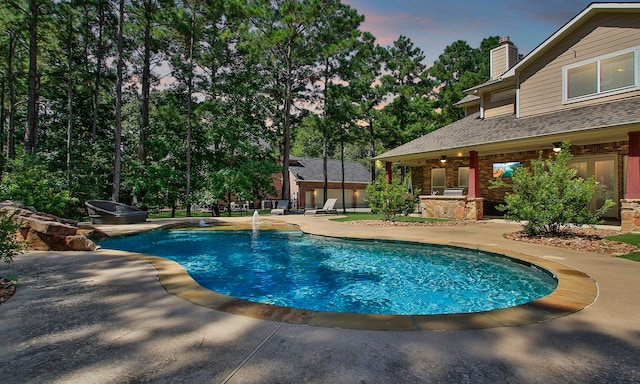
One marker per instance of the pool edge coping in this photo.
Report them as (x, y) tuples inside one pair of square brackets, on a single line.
[(575, 291)]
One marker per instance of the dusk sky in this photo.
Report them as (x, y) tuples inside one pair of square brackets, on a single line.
[(432, 25)]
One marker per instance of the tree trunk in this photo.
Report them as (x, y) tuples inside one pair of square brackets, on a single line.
[(118, 134), (344, 200), (11, 135), (325, 135), (287, 125), (3, 116), (32, 96), (69, 99), (189, 106), (99, 59), (146, 82), (373, 151)]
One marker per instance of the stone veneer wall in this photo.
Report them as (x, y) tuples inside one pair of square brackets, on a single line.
[(630, 215), (451, 207)]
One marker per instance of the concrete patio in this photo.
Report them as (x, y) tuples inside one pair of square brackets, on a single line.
[(102, 317)]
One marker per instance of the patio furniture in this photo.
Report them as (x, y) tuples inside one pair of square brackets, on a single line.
[(329, 207), (281, 208), (109, 212)]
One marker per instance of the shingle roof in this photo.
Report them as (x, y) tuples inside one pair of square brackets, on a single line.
[(468, 99), (473, 131), (310, 169)]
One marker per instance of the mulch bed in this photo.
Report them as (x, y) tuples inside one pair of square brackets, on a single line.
[(581, 239), (383, 223)]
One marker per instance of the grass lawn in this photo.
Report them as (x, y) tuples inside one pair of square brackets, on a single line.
[(373, 216), (629, 238)]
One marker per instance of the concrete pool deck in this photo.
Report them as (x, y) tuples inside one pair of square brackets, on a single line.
[(101, 317)]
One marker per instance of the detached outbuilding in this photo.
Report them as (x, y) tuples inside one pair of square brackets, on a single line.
[(307, 183)]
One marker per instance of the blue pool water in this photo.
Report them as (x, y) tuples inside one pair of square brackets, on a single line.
[(292, 269)]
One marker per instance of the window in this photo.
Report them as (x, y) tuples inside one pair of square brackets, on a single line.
[(438, 180), (601, 76), (604, 169), (617, 72), (463, 177), (582, 81)]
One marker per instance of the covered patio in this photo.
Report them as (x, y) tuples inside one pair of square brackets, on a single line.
[(605, 143)]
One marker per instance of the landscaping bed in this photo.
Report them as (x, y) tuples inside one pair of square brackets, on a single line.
[(581, 239)]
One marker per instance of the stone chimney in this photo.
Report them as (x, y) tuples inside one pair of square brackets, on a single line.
[(502, 58)]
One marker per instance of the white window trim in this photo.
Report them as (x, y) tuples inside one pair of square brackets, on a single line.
[(597, 60)]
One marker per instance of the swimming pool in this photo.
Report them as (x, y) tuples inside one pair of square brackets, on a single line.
[(291, 269)]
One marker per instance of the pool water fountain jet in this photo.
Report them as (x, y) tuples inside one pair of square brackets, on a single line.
[(255, 221)]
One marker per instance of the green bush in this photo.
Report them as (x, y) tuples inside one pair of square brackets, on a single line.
[(34, 185), (550, 197), (10, 246), (390, 199)]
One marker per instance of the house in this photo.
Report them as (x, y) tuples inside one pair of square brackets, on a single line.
[(306, 178), (582, 84)]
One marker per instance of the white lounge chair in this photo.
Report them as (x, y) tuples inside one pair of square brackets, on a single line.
[(281, 208), (329, 207)]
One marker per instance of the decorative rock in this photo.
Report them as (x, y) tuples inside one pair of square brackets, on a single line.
[(53, 228), (80, 243), (92, 232), (46, 232)]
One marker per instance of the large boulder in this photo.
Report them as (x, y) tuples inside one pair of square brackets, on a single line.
[(44, 232), (80, 243)]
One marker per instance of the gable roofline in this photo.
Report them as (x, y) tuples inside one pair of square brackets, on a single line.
[(570, 26)]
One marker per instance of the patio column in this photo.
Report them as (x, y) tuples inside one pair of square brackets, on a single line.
[(389, 176), (630, 205), (633, 167), (474, 179)]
